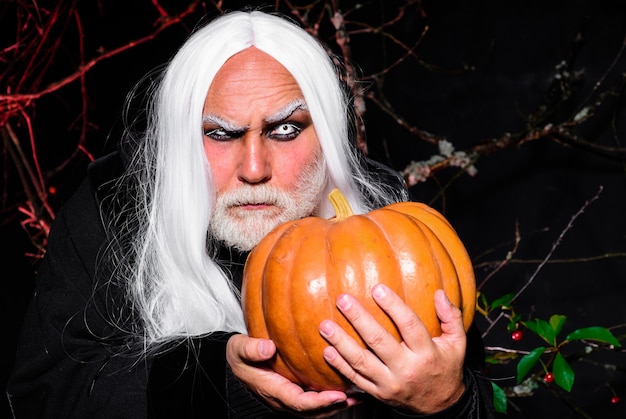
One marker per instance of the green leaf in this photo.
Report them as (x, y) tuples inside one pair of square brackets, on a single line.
[(528, 362), (599, 334), (563, 373), (543, 329), (499, 398), (556, 322), (504, 301), (532, 325)]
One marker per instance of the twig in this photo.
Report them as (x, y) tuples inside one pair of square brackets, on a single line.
[(556, 244)]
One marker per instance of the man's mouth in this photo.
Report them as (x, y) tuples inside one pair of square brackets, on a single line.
[(266, 208), (255, 206)]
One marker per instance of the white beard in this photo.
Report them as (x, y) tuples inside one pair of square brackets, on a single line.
[(244, 228)]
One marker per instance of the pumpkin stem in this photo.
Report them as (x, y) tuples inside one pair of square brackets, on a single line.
[(340, 204)]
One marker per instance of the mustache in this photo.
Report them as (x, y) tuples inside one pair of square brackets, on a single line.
[(254, 195)]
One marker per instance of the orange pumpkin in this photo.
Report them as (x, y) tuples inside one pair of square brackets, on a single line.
[(294, 275)]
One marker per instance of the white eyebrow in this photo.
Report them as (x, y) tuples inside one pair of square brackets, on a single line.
[(284, 113), (281, 115), (222, 123)]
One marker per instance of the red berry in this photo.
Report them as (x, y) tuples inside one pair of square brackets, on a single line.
[(615, 399), (549, 377), (517, 335)]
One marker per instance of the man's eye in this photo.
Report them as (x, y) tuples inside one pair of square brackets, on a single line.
[(220, 134), (285, 131)]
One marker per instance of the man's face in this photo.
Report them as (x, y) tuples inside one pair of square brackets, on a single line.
[(264, 153)]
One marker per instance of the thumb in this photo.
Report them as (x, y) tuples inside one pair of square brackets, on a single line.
[(249, 350), (450, 316), (266, 349)]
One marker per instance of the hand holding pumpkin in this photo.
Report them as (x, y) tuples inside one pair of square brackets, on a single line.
[(420, 374), (246, 357)]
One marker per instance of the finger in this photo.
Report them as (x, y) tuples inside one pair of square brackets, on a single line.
[(253, 349), (375, 335), (244, 354), (283, 395), (348, 357), (359, 365), (451, 317), (312, 403), (411, 328)]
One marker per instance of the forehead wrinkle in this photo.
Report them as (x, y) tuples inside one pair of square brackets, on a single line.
[(287, 111)]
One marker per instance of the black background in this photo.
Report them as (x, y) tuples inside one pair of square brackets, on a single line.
[(495, 62)]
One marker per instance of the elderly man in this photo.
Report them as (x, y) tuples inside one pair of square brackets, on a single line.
[(137, 311)]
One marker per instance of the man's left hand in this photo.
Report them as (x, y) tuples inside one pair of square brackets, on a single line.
[(420, 374)]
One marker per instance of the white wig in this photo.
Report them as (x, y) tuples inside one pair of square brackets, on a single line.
[(176, 287)]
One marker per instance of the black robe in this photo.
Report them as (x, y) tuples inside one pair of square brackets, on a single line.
[(76, 359)]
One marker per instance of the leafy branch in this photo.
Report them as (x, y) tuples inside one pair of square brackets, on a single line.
[(555, 365)]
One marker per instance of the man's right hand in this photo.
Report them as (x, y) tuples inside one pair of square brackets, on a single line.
[(246, 357)]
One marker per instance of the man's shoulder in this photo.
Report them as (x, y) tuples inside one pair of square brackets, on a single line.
[(80, 215), (103, 171)]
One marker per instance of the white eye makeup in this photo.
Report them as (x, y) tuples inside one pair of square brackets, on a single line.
[(284, 125)]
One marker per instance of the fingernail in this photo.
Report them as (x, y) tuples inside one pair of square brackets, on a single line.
[(329, 353), (379, 291), (326, 328), (344, 302), (446, 297), (264, 349)]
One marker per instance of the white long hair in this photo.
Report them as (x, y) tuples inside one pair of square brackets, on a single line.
[(175, 286)]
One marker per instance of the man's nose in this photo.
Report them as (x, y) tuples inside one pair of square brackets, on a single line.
[(255, 163)]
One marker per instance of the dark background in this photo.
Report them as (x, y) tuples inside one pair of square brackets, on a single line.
[(483, 68)]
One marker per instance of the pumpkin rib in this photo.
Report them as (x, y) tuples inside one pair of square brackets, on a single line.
[(311, 268), (332, 379), (433, 284), (292, 291), (353, 273), (447, 268), (420, 206), (462, 262), (290, 295), (254, 274), (272, 294), (290, 242), (419, 292), (387, 260), (256, 268)]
